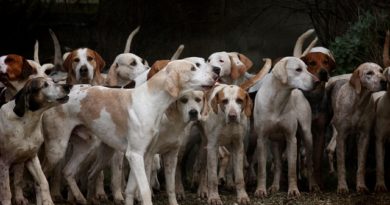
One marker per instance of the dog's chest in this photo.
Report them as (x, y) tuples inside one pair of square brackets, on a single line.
[(231, 132), (21, 143)]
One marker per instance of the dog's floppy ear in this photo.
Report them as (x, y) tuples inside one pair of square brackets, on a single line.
[(171, 110), (355, 81), (100, 63), (239, 65), (214, 102), (205, 107), (280, 72), (386, 74), (27, 69), (172, 81), (112, 77), (68, 62), (331, 63), (248, 105), (20, 102)]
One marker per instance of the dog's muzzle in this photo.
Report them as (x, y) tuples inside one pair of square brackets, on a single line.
[(323, 75), (84, 71)]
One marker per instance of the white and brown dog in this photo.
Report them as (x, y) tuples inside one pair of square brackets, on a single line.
[(226, 125), (84, 65), (279, 111), (126, 120), (21, 134)]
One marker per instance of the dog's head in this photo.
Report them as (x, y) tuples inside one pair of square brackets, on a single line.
[(231, 64), (126, 67), (182, 75), (292, 71), (368, 76), (232, 101), (84, 66), (190, 106), (40, 93), (15, 70), (320, 62)]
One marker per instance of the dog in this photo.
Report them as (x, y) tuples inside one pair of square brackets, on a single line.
[(225, 125), (231, 66), (352, 101), (321, 63), (84, 65), (177, 117), (279, 111), (120, 121), (21, 136)]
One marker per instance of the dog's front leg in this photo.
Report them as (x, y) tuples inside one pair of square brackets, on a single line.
[(362, 154), (277, 152), (170, 161), (34, 166), (212, 176), (238, 160), (380, 155), (291, 151), (116, 177), (262, 167), (5, 189), (342, 187), (136, 161), (19, 198), (308, 140)]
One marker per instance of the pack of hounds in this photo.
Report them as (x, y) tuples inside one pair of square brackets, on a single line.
[(68, 121)]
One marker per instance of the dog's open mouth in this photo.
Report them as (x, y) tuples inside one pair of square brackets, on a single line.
[(63, 99)]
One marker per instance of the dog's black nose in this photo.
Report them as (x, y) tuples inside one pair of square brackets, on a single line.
[(67, 87), (323, 75), (232, 117), (83, 70), (216, 70), (384, 84), (193, 114)]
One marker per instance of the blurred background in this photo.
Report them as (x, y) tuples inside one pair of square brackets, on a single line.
[(353, 29)]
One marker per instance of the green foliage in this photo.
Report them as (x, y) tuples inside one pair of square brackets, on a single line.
[(353, 48)]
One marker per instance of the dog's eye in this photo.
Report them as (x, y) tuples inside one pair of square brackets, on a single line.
[(370, 73), (239, 101), (134, 63), (45, 85), (197, 65), (225, 101), (208, 60), (76, 60), (198, 100), (221, 61), (325, 62), (299, 69), (183, 100), (89, 58), (8, 60), (312, 63), (193, 68)]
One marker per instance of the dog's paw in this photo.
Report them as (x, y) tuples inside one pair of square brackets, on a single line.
[(273, 189), (243, 200), (261, 193), (21, 201), (202, 195), (315, 188), (362, 189), (47, 202), (215, 200), (342, 189), (293, 192), (57, 198), (180, 195), (380, 188), (119, 200)]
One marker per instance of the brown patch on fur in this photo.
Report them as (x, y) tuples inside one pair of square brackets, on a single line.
[(18, 68), (91, 107), (156, 67), (217, 100), (316, 61), (247, 105), (237, 71)]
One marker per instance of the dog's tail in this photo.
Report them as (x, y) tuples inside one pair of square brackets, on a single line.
[(386, 58), (299, 44), (129, 39), (311, 45), (36, 52), (57, 52), (263, 71), (178, 52)]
